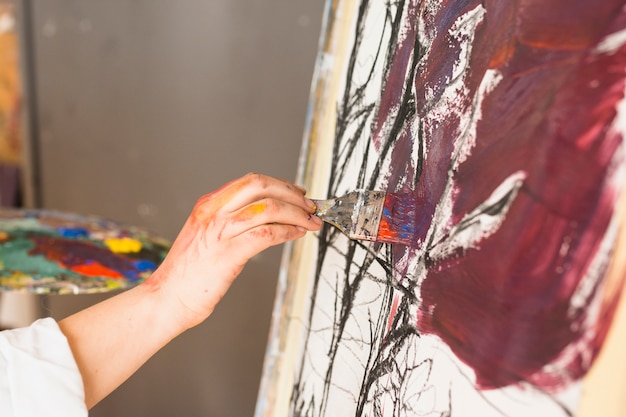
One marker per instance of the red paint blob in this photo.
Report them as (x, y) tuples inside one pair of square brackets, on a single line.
[(94, 269), (84, 257)]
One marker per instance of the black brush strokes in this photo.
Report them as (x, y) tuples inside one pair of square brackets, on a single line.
[(388, 342)]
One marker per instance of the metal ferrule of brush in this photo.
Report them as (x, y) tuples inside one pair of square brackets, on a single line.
[(357, 214)]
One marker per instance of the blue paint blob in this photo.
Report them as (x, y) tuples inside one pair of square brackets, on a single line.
[(72, 232), (144, 265)]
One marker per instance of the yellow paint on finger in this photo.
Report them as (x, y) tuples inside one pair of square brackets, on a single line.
[(123, 245), (257, 208), (251, 211)]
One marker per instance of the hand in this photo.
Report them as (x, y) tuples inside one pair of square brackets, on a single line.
[(225, 229)]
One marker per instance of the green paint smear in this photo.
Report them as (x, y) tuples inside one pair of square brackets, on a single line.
[(14, 257)]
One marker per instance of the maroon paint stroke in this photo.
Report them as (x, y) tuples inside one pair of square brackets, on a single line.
[(503, 307), (80, 255)]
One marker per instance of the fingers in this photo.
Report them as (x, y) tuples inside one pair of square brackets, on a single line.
[(247, 190), (255, 187), (262, 237), (250, 195), (269, 211)]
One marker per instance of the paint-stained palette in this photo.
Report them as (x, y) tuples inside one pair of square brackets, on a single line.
[(51, 252)]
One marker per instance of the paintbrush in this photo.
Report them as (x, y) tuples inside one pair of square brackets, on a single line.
[(375, 216)]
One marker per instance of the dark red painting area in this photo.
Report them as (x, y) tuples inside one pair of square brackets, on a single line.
[(504, 307)]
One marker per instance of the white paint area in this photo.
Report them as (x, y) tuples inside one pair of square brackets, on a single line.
[(611, 43), (478, 224)]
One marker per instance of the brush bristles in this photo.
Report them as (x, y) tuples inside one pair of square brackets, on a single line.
[(398, 222)]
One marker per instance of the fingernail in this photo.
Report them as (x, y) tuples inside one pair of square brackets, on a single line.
[(310, 204), (315, 219)]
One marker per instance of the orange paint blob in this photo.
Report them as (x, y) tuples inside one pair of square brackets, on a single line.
[(96, 269), (502, 54)]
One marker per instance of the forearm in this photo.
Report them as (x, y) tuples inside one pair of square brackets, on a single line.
[(112, 339)]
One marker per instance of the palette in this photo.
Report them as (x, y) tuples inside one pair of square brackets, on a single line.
[(52, 252)]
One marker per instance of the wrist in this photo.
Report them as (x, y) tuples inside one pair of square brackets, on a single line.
[(169, 302)]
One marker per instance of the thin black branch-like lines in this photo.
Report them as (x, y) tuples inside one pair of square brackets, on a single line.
[(354, 116)]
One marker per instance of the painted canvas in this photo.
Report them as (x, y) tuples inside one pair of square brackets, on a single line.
[(53, 252), (506, 122)]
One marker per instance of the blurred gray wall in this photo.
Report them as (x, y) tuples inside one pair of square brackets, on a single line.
[(142, 107)]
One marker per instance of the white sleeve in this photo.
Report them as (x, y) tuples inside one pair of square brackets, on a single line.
[(38, 374)]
